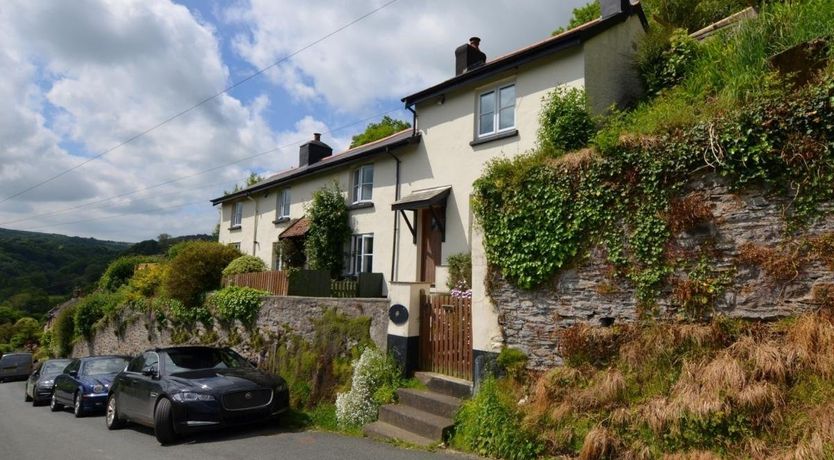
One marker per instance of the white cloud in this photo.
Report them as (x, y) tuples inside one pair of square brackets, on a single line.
[(400, 49)]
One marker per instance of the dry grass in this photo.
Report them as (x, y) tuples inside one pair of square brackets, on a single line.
[(600, 444), (819, 443), (780, 265), (573, 160), (688, 212), (810, 341), (693, 455)]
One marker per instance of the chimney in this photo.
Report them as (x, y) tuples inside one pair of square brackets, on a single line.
[(313, 151), (613, 7), (469, 56)]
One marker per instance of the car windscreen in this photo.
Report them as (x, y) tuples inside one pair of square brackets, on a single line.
[(202, 358), (50, 368), (104, 366)]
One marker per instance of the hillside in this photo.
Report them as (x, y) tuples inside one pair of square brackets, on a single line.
[(38, 269)]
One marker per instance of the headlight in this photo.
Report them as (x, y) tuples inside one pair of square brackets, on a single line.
[(281, 386), (98, 388), (189, 396), (47, 383)]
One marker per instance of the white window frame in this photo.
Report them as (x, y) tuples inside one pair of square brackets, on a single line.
[(283, 204), (235, 245), (357, 193), (497, 108), (237, 214), (361, 261)]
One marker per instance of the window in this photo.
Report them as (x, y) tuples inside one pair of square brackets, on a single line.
[(361, 254), (237, 215), (496, 110), (283, 205), (363, 184), (235, 245)]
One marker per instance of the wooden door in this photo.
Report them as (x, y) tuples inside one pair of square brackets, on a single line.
[(432, 238)]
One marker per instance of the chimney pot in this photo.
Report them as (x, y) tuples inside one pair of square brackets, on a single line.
[(317, 136), (469, 56)]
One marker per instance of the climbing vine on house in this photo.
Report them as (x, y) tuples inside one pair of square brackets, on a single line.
[(541, 213)]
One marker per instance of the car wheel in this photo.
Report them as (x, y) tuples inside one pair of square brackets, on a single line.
[(111, 418), (77, 409), (163, 426), (28, 398), (54, 405)]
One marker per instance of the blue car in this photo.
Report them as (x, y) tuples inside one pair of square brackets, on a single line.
[(85, 383)]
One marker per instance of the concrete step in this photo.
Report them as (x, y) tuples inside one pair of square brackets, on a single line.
[(429, 401), (446, 385), (386, 431), (415, 420)]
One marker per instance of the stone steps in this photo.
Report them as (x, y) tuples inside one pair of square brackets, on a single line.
[(422, 417)]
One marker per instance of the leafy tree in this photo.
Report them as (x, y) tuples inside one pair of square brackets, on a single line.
[(580, 16), (8, 315), (376, 131), (27, 332), (253, 179), (120, 271), (244, 264), (63, 331), (196, 269), (329, 230)]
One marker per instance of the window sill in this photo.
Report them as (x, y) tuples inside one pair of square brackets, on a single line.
[(281, 220), (235, 228), (361, 205), (494, 137)]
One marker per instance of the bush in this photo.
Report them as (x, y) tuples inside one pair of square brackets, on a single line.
[(489, 424), (63, 332), (119, 272), (93, 308), (27, 332), (514, 361), (329, 230), (183, 316), (376, 378), (664, 57), (196, 269), (565, 122), (147, 282), (237, 303), (244, 264), (460, 270)]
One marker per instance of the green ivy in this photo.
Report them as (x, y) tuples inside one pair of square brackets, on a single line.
[(540, 213), (237, 303)]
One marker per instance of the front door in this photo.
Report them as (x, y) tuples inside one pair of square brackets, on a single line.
[(432, 237)]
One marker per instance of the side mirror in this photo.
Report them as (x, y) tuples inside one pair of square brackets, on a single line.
[(73, 373), (150, 371)]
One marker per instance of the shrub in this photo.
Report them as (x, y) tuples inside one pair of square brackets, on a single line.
[(460, 270), (95, 307), (147, 282), (664, 57), (514, 361), (376, 378), (184, 316), (491, 425), (63, 332), (120, 271), (329, 230), (237, 303), (27, 333), (244, 264), (565, 122), (196, 269)]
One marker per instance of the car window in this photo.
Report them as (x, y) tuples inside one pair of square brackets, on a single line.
[(136, 364), (151, 360), (73, 366), (50, 368), (202, 358), (103, 366)]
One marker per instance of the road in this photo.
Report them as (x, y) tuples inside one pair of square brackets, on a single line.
[(28, 432)]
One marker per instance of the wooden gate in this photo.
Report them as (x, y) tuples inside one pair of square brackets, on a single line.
[(446, 335)]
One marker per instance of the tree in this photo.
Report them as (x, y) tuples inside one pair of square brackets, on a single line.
[(244, 264), (196, 269), (376, 131), (580, 16), (329, 230), (253, 179), (27, 333)]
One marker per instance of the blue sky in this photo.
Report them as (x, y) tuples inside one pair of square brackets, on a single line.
[(83, 76)]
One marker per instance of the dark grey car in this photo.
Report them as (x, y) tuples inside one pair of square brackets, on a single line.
[(40, 384), (15, 366)]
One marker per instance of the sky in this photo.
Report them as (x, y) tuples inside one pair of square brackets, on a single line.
[(81, 78)]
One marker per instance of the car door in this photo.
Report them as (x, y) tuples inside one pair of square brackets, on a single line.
[(126, 392), (147, 387), (32, 382), (65, 383)]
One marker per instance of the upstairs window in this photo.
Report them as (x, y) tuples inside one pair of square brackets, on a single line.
[(284, 204), (237, 215), (363, 184), (362, 254), (496, 110)]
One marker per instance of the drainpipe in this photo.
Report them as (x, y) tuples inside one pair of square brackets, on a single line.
[(413, 120), (396, 233), (255, 236)]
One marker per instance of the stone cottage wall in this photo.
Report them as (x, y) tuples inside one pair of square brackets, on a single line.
[(531, 320), (278, 315)]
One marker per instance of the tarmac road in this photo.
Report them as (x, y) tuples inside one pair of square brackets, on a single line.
[(36, 433)]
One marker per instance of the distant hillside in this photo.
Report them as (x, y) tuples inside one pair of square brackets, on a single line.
[(38, 269)]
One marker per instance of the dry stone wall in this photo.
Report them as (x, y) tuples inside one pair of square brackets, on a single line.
[(531, 320), (139, 331)]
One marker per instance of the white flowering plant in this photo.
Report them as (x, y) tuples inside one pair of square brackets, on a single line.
[(376, 378), (461, 290)]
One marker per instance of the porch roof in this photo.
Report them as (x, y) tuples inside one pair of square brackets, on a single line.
[(423, 199), (297, 228)]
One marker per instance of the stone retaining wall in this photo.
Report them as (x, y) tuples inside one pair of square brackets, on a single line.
[(279, 315), (531, 320)]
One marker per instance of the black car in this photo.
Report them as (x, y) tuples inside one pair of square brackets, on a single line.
[(39, 385), (85, 383), (179, 390)]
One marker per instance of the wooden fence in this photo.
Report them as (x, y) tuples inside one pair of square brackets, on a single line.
[(446, 335), (274, 282), (344, 288)]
